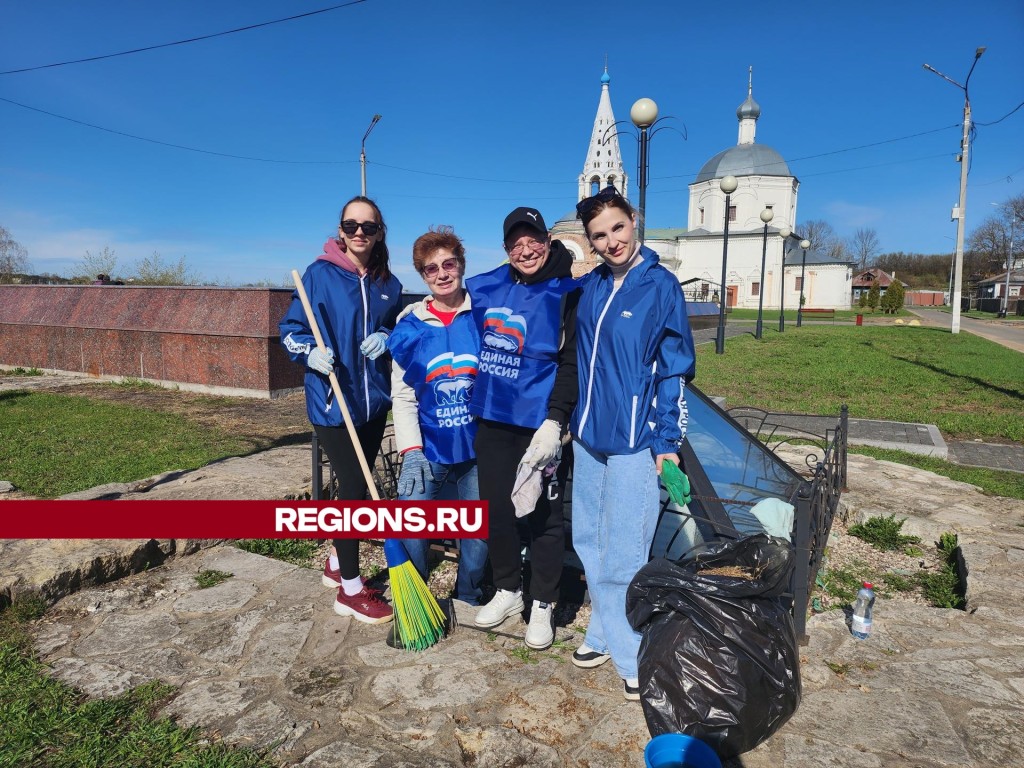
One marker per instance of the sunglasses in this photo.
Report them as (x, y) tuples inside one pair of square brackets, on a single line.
[(530, 245), (351, 226), (448, 265), (587, 204)]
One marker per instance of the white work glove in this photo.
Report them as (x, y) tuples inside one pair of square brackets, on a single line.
[(374, 345), (321, 360), (415, 473), (544, 446)]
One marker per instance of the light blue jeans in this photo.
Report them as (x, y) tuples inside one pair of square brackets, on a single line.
[(451, 482), (615, 509)]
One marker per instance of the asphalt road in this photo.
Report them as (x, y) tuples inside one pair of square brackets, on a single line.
[(1010, 334)]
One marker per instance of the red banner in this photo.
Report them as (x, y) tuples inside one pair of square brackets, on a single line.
[(166, 519)]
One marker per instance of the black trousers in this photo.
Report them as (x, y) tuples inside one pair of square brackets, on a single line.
[(499, 447), (351, 484)]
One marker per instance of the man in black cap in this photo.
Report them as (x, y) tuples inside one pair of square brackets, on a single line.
[(525, 392)]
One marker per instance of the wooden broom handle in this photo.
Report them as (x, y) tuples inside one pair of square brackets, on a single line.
[(311, 319)]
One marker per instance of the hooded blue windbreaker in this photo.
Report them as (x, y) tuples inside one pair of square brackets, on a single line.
[(348, 308), (635, 354)]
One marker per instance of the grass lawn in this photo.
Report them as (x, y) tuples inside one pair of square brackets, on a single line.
[(46, 723), (54, 444), (968, 386)]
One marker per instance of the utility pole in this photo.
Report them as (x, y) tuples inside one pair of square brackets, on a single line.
[(362, 154), (961, 209)]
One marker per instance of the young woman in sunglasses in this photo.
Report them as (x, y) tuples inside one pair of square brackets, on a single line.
[(635, 355), (434, 351), (356, 300)]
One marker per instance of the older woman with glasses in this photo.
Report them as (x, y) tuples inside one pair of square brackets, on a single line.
[(525, 391), (356, 300), (434, 348), (636, 353)]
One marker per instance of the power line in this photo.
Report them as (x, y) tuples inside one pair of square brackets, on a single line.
[(1003, 117), (176, 146), (453, 176), (835, 151), (182, 42)]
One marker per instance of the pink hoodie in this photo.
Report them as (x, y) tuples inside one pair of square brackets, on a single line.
[(333, 253)]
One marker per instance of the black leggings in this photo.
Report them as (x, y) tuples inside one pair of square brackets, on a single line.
[(499, 447), (351, 483)]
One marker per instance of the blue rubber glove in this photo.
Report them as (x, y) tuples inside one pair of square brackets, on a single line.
[(321, 360), (374, 345), (415, 473)]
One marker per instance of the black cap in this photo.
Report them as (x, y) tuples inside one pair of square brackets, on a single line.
[(529, 216)]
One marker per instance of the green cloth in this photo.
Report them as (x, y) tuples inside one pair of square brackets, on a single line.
[(676, 483)]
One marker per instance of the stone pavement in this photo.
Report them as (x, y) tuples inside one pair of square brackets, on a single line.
[(262, 660)]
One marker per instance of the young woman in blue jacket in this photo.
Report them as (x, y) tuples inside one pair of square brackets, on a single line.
[(356, 301), (635, 353)]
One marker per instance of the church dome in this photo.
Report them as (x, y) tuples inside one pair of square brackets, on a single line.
[(744, 160), (748, 108), (606, 78)]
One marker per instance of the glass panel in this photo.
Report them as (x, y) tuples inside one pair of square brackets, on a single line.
[(736, 463)]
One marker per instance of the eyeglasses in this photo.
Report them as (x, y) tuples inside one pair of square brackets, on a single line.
[(530, 245), (350, 226), (587, 204), (448, 265)]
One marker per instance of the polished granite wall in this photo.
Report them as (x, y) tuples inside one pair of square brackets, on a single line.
[(207, 339)]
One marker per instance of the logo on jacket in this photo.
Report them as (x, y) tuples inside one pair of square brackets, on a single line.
[(504, 331), (626, 314), (452, 377)]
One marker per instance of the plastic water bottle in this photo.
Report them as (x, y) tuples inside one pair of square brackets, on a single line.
[(861, 624)]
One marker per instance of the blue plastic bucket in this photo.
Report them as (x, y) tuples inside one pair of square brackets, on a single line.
[(676, 750)]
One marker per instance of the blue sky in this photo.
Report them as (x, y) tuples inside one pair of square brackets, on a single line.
[(485, 106)]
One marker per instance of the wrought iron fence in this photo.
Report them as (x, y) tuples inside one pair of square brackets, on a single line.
[(816, 499)]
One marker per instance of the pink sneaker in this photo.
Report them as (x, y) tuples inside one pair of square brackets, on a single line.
[(368, 606), (331, 578)]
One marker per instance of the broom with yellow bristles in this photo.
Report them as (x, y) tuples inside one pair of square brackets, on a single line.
[(419, 620)]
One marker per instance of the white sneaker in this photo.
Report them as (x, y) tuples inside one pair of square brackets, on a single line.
[(586, 657), (503, 605), (540, 634)]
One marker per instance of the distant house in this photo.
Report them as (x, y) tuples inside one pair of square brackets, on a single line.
[(863, 280), (995, 287)]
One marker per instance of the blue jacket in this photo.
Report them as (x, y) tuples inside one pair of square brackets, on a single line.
[(348, 308), (440, 364), (521, 328), (635, 354)]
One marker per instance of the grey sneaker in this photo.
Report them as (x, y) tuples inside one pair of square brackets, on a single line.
[(586, 657), (631, 689), (503, 605), (540, 634)]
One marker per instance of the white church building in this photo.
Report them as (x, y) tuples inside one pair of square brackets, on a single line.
[(694, 252)]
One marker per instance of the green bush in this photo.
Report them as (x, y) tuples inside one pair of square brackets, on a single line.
[(884, 533)]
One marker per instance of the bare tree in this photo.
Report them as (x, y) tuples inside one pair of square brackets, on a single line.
[(13, 257), (820, 233), (825, 240), (865, 246), (96, 264), (153, 270)]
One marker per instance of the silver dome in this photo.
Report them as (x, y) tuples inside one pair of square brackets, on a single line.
[(744, 160)]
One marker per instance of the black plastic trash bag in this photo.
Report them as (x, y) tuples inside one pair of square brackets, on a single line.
[(718, 659)]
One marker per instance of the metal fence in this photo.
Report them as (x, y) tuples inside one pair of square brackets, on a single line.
[(816, 498)]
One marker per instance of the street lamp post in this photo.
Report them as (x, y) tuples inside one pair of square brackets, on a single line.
[(728, 186), (784, 233), (643, 113), (362, 154), (766, 215), (805, 244), (962, 207)]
